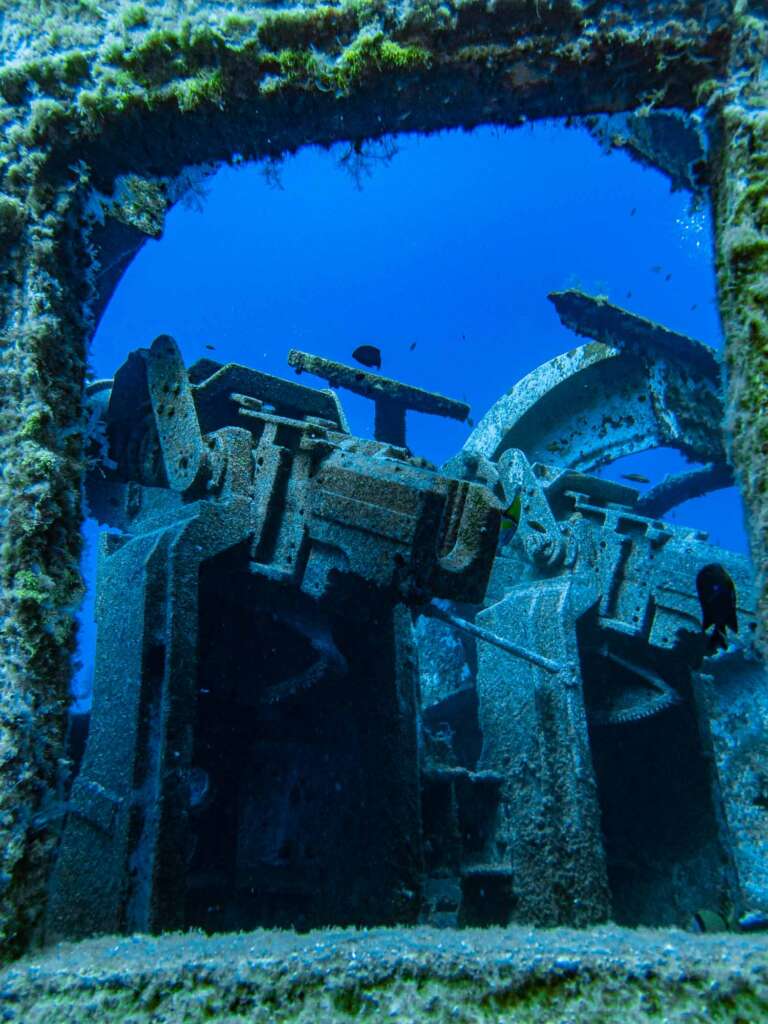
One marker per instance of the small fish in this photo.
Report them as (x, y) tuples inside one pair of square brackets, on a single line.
[(412, 346), (694, 306), (470, 421), (755, 921), (629, 295), (717, 595), (210, 347), (708, 921), (368, 355), (656, 269), (668, 277), (510, 517), (636, 478), (536, 525), (633, 211)]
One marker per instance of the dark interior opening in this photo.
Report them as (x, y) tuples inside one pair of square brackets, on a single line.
[(665, 861), (293, 783), (271, 788)]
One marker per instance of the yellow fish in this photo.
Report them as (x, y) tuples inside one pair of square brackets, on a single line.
[(510, 517)]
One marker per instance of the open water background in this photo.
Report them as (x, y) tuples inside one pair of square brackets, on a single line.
[(452, 243)]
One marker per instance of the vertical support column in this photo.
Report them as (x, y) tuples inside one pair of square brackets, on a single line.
[(217, 527), (731, 697), (740, 203), (42, 365), (89, 884), (547, 833), (122, 859)]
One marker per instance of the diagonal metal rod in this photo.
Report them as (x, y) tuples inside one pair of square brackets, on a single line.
[(436, 612), (648, 675)]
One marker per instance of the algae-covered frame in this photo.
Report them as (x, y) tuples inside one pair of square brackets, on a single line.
[(109, 108)]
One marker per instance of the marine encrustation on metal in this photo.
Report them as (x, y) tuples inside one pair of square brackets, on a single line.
[(274, 590)]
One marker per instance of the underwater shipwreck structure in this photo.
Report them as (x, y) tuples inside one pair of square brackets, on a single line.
[(110, 113), (260, 752)]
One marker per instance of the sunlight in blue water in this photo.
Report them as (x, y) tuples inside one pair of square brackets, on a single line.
[(443, 259), (453, 246)]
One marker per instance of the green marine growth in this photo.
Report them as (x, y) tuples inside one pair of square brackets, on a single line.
[(370, 54), (140, 203), (299, 29), (12, 218), (135, 16), (201, 64)]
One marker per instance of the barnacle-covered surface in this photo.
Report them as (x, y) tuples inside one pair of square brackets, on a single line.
[(105, 106), (400, 975)]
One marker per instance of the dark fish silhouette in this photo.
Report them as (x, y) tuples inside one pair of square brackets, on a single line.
[(755, 921), (368, 355), (636, 478), (412, 346), (633, 211), (210, 347), (717, 595), (709, 921)]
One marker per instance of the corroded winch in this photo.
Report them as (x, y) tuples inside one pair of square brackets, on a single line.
[(273, 743), (253, 629)]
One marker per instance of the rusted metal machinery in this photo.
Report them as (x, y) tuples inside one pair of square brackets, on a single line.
[(272, 742), (254, 642), (629, 780)]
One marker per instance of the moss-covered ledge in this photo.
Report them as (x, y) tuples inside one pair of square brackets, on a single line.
[(398, 975), (103, 107), (740, 199)]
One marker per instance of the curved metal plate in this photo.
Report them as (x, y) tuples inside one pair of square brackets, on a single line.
[(636, 386)]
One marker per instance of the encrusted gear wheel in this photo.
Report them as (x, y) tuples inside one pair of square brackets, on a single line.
[(635, 386)]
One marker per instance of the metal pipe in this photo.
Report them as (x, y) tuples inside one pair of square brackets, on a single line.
[(436, 612)]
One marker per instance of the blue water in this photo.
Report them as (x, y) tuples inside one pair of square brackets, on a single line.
[(452, 244)]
